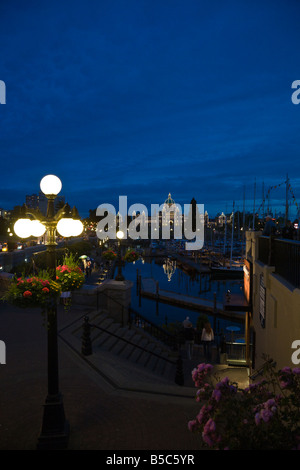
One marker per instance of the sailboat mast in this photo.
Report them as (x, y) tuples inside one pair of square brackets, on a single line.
[(244, 234), (286, 200), (253, 226), (263, 201), (224, 249), (232, 229)]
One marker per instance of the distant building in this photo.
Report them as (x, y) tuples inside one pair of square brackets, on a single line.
[(59, 201), (222, 219), (32, 201), (43, 203), (3, 213)]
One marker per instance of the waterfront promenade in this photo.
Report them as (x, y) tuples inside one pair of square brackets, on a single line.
[(102, 416)]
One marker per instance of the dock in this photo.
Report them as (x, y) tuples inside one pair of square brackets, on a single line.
[(150, 290), (183, 261)]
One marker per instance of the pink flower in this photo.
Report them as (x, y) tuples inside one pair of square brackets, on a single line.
[(216, 394), (209, 433), (266, 415), (257, 418), (46, 290), (27, 293), (286, 369), (207, 439), (192, 425)]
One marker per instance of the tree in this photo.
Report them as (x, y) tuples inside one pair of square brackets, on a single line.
[(3, 226)]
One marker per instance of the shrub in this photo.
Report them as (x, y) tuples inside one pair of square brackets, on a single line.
[(263, 416)]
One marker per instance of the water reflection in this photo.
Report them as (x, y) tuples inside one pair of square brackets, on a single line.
[(170, 277), (169, 267)]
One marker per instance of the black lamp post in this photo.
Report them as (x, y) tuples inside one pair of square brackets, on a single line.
[(119, 276), (55, 428)]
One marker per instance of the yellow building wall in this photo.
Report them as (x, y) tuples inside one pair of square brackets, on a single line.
[(282, 314)]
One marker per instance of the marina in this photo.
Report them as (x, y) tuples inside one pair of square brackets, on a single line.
[(165, 292)]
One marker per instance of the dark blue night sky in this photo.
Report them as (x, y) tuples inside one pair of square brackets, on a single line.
[(142, 98)]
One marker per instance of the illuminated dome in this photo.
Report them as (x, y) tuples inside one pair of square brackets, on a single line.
[(169, 201)]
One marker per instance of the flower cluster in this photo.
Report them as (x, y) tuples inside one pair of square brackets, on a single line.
[(131, 256), (263, 416), (288, 377), (69, 277), (201, 373), (265, 411), (109, 255), (36, 291)]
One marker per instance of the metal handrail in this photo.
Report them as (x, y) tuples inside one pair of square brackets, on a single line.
[(261, 370), (163, 335), (131, 343)]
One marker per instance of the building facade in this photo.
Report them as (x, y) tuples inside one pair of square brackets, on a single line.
[(275, 293)]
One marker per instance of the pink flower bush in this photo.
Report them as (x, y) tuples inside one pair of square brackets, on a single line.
[(263, 416)]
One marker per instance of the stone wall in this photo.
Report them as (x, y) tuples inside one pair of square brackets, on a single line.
[(113, 296)]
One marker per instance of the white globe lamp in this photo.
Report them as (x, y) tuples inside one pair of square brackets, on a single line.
[(64, 227), (22, 228), (50, 185), (77, 227), (37, 228)]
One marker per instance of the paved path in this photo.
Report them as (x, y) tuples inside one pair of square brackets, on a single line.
[(101, 416)]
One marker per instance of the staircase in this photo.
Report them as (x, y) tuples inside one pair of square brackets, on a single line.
[(130, 347)]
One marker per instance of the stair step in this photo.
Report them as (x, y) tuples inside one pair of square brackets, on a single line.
[(114, 342), (128, 350), (120, 345), (138, 354), (93, 317), (104, 337), (106, 341)]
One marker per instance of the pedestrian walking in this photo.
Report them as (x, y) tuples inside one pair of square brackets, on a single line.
[(189, 336), (207, 339)]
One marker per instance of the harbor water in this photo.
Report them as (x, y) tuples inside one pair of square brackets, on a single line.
[(173, 279)]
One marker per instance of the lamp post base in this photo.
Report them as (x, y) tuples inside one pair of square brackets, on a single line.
[(55, 429)]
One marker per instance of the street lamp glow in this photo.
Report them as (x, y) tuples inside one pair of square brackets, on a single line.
[(37, 228), (22, 228), (77, 227), (64, 227), (50, 185), (120, 234), (69, 227)]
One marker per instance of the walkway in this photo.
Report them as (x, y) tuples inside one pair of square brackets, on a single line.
[(102, 416)]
